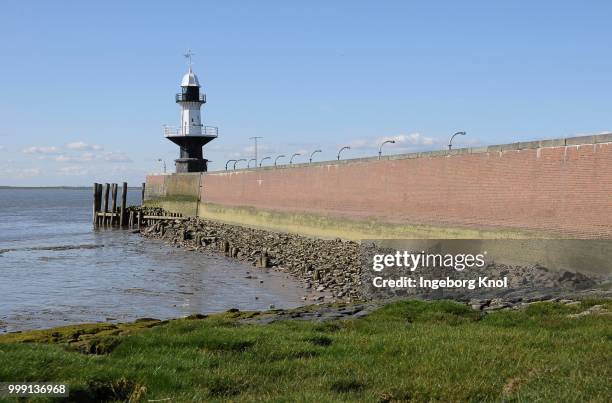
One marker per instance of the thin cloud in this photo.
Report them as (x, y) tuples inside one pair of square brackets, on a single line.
[(85, 157), (127, 170), (403, 142), (41, 150), (73, 170), (82, 146), (359, 144), (21, 172), (116, 157), (249, 152), (407, 140), (64, 158)]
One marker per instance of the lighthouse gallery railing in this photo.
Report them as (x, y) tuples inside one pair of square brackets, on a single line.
[(210, 131)]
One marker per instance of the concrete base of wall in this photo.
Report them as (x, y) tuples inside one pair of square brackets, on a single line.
[(334, 227), (593, 256), (506, 246), (187, 206)]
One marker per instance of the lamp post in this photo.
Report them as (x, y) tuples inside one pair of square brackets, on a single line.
[(249, 163), (450, 143), (263, 159), (342, 149), (292, 157), (313, 153), (276, 159), (381, 146), (163, 162), (237, 161), (228, 161)]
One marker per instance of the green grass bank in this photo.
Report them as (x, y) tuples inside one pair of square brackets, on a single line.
[(404, 351)]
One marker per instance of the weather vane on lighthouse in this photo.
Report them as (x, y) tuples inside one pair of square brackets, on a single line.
[(192, 135), (188, 56)]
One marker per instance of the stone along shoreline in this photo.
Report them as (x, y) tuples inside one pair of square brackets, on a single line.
[(335, 269), (330, 267)]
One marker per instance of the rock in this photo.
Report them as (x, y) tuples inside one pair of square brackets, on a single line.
[(594, 310), (478, 305), (336, 266), (196, 316), (499, 307)]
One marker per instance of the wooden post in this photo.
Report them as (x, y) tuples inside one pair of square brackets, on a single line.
[(143, 194), (106, 190), (114, 188), (99, 201), (95, 204), (139, 219), (131, 221), (99, 205), (123, 203)]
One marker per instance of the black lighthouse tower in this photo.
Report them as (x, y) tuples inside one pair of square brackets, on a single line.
[(192, 135)]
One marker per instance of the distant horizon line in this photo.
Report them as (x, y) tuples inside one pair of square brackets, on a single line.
[(57, 187)]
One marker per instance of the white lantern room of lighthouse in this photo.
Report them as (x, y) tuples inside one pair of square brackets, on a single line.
[(190, 101)]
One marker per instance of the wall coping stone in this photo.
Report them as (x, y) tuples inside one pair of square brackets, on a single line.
[(523, 145)]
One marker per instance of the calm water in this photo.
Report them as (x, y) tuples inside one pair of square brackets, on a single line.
[(55, 270)]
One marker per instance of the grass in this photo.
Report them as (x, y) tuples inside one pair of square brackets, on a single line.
[(405, 351)]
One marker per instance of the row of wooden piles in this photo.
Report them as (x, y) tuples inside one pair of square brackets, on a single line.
[(106, 213)]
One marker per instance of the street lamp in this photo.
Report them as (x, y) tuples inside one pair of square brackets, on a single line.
[(228, 161), (342, 149), (450, 143), (237, 161), (163, 162), (263, 159), (313, 153), (292, 157), (280, 156), (381, 146), (249, 163)]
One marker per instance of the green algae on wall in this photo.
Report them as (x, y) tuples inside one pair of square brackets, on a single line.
[(337, 227), (175, 193), (186, 205)]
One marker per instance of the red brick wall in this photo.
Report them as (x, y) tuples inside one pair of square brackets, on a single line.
[(564, 189)]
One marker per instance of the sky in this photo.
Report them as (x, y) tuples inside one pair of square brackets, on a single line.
[(85, 87)]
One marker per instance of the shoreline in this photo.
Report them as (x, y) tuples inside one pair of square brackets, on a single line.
[(337, 268), (318, 266), (92, 338)]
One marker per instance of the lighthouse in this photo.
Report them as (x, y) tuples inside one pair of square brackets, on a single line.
[(191, 135)]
